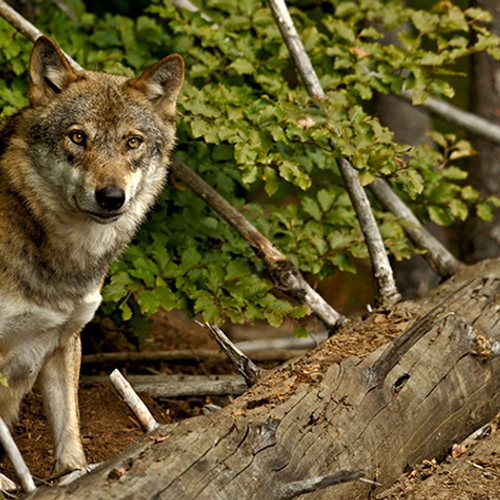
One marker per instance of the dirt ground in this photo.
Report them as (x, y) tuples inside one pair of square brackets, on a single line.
[(471, 471)]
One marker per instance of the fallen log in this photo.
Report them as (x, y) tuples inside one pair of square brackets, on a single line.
[(318, 416), (174, 386)]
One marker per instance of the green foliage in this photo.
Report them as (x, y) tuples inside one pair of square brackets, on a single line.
[(251, 131)]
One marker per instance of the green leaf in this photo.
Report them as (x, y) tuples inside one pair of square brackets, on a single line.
[(190, 258), (236, 269), (459, 209), (440, 215), (484, 211), (126, 311), (341, 261), (325, 199), (416, 180), (469, 193), (148, 301), (300, 332), (312, 208), (242, 66), (166, 297), (454, 173)]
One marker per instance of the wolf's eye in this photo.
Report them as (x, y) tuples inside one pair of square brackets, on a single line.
[(134, 142), (78, 137)]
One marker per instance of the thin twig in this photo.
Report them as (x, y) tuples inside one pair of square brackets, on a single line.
[(250, 371), (22, 472), (133, 401), (381, 267), (78, 473)]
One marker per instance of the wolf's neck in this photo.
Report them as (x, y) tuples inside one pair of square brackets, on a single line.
[(70, 253)]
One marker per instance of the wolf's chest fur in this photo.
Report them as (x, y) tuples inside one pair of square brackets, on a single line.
[(79, 169), (22, 354)]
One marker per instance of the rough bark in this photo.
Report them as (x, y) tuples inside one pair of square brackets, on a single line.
[(317, 416)]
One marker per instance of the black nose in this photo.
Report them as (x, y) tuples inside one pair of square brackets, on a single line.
[(110, 198)]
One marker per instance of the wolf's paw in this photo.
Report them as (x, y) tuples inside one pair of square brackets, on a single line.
[(70, 461)]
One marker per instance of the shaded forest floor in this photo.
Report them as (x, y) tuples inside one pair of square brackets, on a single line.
[(109, 428)]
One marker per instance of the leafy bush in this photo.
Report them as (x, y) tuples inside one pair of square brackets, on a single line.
[(248, 127)]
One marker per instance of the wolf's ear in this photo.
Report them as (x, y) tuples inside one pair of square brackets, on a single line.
[(162, 83), (50, 72)]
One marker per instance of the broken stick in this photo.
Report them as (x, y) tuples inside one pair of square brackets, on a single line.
[(250, 371), (16, 459), (133, 401)]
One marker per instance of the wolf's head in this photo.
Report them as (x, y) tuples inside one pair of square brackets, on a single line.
[(99, 143)]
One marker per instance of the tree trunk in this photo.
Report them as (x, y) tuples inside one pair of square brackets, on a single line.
[(318, 416), (478, 239)]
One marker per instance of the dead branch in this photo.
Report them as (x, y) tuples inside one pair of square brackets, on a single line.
[(382, 270), (173, 386), (26, 28), (22, 472), (464, 119), (133, 401), (250, 371), (439, 258), (285, 276)]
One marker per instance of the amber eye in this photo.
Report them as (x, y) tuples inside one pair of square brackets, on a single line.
[(78, 137), (134, 142)]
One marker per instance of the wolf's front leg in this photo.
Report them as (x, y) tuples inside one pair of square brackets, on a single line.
[(59, 385)]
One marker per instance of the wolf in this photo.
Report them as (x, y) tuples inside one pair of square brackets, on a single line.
[(79, 169)]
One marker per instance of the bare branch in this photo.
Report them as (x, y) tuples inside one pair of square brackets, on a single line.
[(286, 277), (133, 401), (382, 270), (469, 121), (250, 371), (15, 457), (381, 267), (27, 29), (439, 258), (182, 385)]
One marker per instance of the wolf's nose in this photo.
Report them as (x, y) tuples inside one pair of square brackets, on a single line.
[(110, 198)]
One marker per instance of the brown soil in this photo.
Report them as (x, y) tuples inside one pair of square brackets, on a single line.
[(108, 427)]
